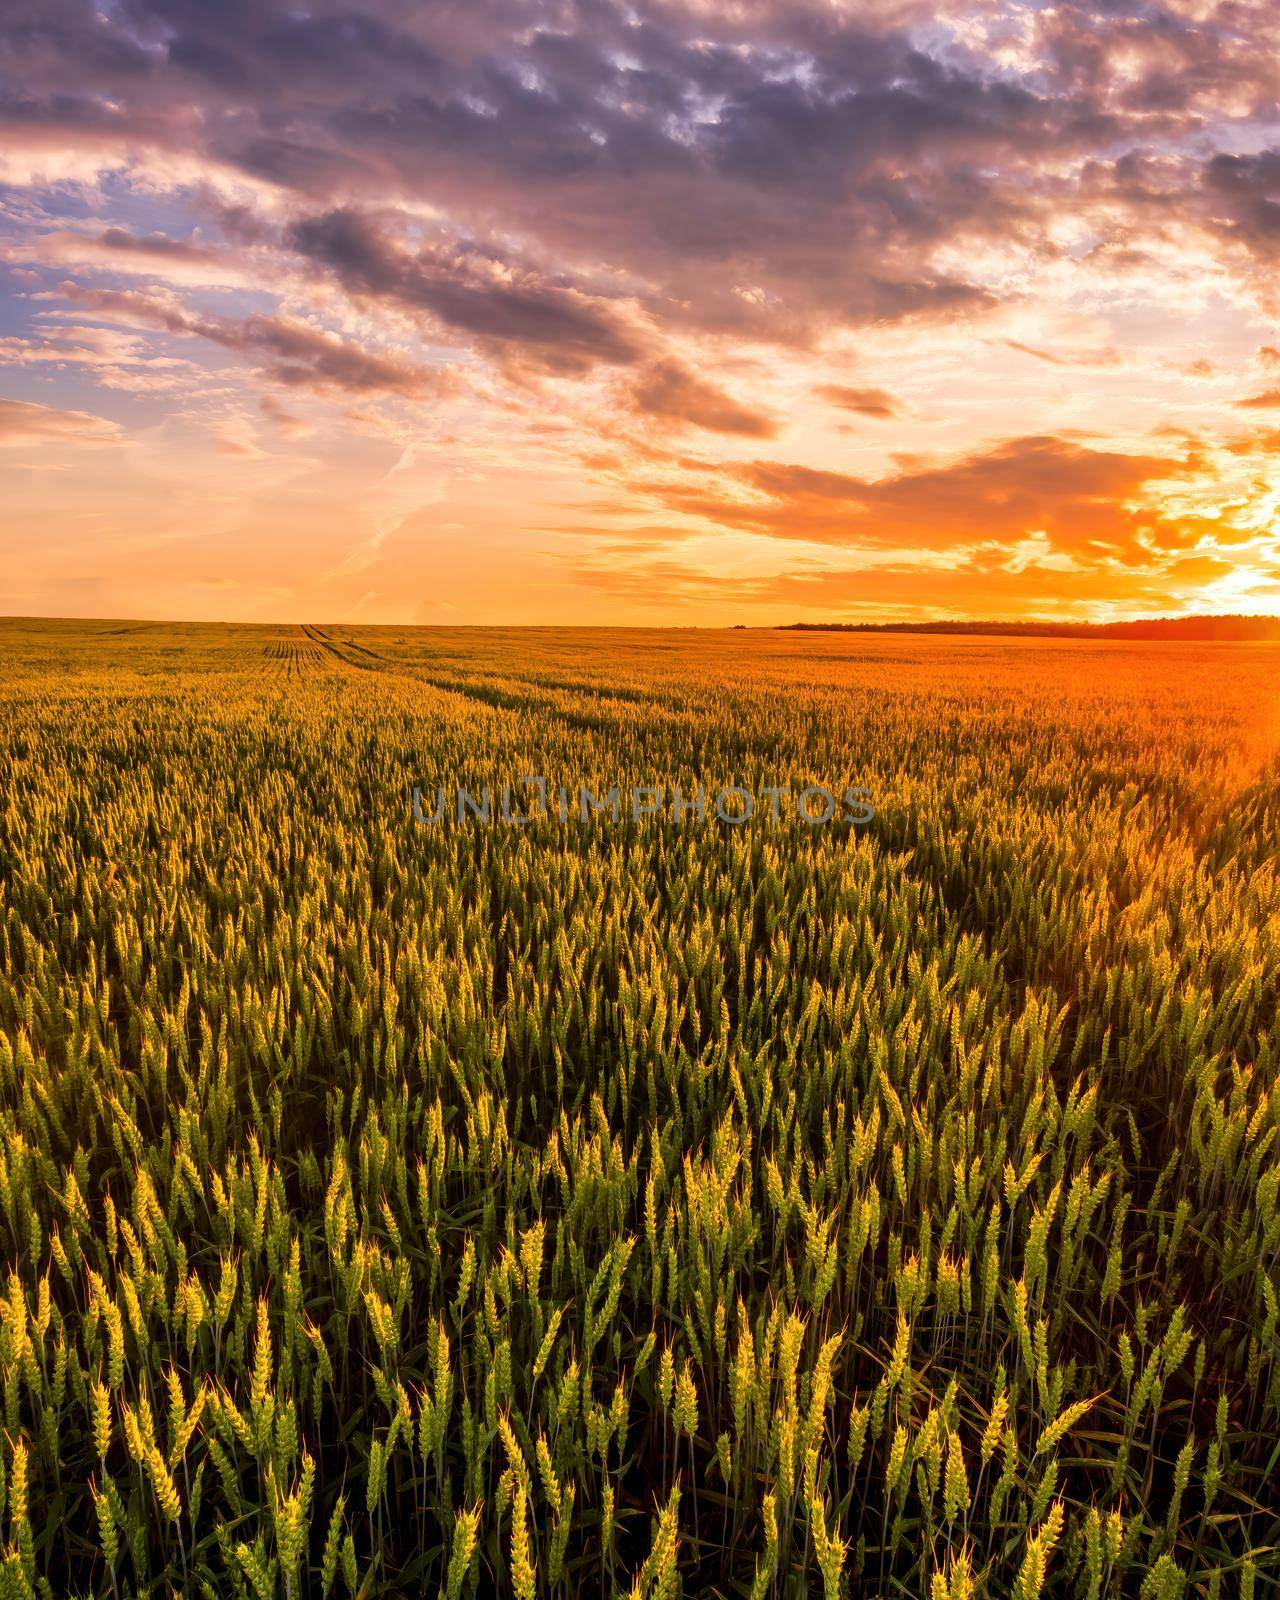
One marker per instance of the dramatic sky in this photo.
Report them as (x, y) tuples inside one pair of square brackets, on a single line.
[(684, 310)]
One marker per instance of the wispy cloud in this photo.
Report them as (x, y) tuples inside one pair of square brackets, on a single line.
[(980, 287), (22, 423)]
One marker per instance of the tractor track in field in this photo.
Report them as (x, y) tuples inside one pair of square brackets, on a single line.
[(491, 695), (292, 659), (321, 641)]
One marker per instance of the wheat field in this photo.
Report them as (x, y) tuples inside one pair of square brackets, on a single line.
[(646, 1207)]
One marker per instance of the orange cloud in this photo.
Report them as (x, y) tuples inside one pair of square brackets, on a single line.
[(866, 402), (732, 298), (1085, 502)]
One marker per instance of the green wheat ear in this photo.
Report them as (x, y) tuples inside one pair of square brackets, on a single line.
[(648, 1212)]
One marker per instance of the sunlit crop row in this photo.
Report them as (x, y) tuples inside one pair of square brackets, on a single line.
[(632, 1207)]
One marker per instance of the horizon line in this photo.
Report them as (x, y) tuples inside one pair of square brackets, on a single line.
[(1177, 621)]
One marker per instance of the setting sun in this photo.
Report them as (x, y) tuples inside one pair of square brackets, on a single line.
[(673, 312)]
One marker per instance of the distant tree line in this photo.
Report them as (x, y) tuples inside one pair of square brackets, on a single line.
[(1214, 627)]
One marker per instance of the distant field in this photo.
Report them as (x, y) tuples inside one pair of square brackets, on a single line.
[(592, 1207)]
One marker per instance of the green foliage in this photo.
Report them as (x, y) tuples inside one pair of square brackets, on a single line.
[(638, 1208)]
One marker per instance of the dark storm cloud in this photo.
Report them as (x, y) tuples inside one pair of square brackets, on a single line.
[(767, 170), (560, 328), (1244, 194), (671, 393)]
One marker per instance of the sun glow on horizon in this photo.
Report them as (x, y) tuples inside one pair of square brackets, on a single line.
[(763, 314)]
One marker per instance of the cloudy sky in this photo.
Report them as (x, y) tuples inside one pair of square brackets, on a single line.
[(502, 310)]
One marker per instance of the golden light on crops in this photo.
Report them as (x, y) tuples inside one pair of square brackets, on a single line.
[(636, 1206)]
